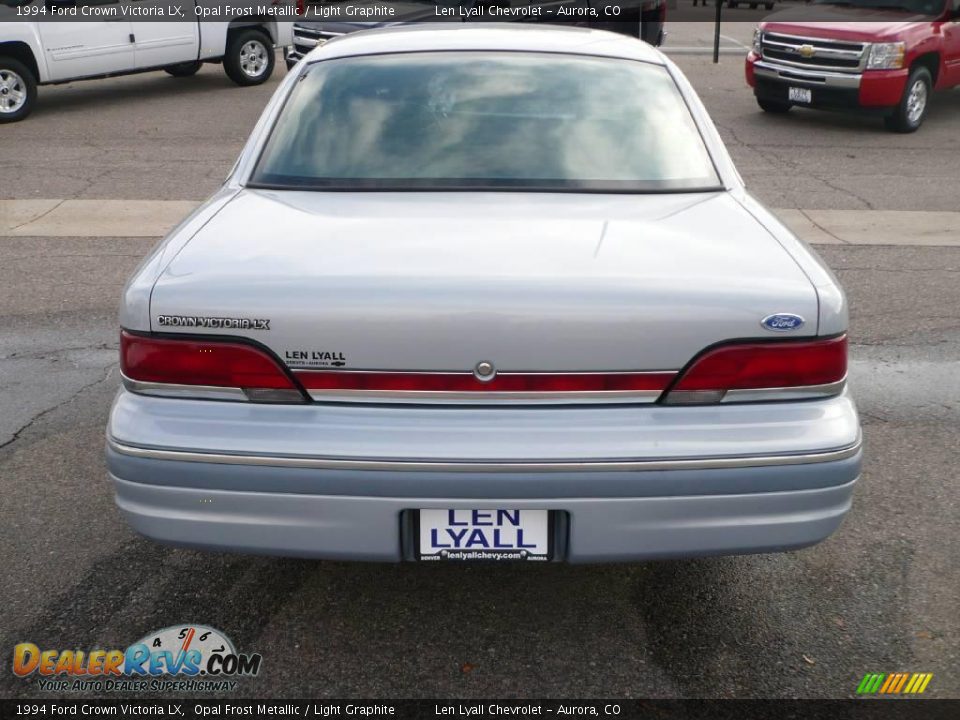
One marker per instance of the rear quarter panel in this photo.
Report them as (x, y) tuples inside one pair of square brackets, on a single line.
[(135, 304), (833, 316)]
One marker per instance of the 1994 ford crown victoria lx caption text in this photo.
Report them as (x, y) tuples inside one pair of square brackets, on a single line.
[(484, 293)]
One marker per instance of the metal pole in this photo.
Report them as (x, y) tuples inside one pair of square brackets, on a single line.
[(716, 34)]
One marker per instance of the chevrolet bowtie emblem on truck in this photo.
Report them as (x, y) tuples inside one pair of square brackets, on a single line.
[(807, 51)]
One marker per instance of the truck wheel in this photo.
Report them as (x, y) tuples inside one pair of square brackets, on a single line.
[(250, 58), (774, 106), (186, 69), (912, 110), (18, 90)]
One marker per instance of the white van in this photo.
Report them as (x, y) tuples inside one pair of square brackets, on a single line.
[(82, 46)]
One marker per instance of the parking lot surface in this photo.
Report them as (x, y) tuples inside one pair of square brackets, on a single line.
[(879, 596)]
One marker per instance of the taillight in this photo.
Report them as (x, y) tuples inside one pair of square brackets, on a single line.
[(764, 371), (468, 383), (301, 7), (185, 367), (372, 386)]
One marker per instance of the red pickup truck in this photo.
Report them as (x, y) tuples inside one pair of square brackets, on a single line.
[(888, 63)]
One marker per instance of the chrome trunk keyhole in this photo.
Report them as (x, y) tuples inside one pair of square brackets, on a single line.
[(484, 371)]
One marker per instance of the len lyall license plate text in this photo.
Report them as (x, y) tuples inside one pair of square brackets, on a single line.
[(484, 534)]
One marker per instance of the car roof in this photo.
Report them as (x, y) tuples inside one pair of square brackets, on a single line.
[(489, 36)]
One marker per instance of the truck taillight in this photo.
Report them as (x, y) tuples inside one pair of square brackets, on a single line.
[(185, 367), (301, 7), (751, 371)]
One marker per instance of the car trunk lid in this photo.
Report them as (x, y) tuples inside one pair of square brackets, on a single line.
[(437, 283)]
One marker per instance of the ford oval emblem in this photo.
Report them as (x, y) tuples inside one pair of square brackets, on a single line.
[(782, 322)]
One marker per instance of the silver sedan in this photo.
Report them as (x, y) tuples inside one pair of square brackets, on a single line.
[(484, 293)]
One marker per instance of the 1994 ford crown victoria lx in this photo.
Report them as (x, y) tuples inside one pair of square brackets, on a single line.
[(484, 293)]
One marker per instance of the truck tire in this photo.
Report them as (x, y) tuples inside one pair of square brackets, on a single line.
[(18, 90), (774, 106), (912, 110), (187, 69), (250, 57)]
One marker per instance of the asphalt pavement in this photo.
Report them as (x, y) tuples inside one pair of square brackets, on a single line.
[(879, 596)]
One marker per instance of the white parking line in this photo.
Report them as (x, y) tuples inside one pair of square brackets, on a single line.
[(91, 218), (874, 227), (734, 41), (154, 218)]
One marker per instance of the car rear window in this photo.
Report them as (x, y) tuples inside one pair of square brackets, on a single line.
[(499, 121)]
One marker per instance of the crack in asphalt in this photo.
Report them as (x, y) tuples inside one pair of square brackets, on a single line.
[(822, 228), (42, 354), (41, 216), (18, 433), (770, 152), (869, 205)]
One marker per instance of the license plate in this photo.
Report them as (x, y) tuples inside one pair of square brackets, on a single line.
[(488, 534), (800, 95)]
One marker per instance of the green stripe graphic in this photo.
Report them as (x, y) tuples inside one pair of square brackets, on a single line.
[(871, 683)]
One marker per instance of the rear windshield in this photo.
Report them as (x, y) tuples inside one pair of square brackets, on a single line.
[(499, 121)]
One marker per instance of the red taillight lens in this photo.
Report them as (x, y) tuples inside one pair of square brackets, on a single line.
[(301, 7), (200, 362), (749, 366), (467, 382)]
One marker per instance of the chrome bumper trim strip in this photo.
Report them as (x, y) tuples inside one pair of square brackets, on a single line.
[(331, 463)]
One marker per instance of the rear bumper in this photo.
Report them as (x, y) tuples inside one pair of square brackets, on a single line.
[(635, 482), (344, 527)]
